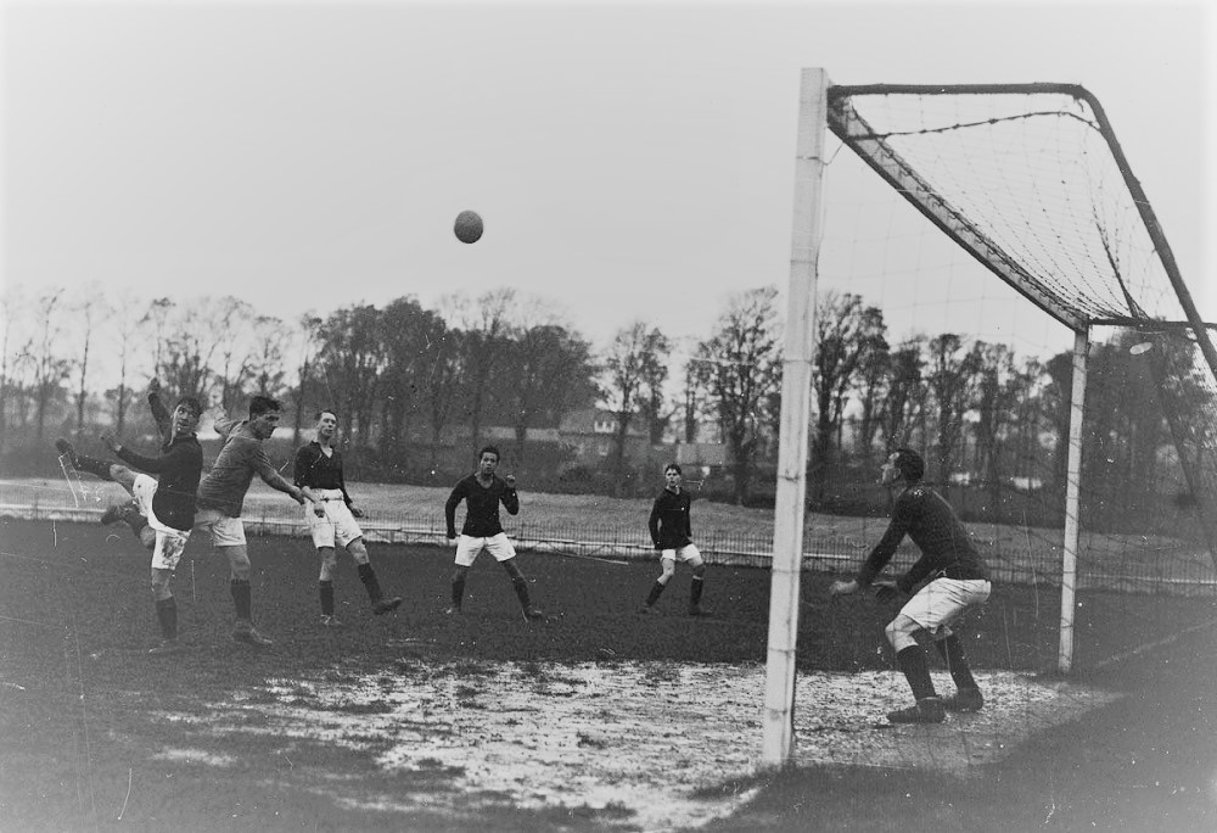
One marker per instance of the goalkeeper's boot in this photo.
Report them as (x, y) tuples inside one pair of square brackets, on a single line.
[(964, 700), (926, 710)]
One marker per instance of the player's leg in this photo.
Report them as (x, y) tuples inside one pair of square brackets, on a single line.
[(228, 536), (166, 553), (907, 636), (136, 513), (363, 565), (504, 552), (467, 550), (667, 569), (322, 532), (954, 598), (692, 555), (325, 585)]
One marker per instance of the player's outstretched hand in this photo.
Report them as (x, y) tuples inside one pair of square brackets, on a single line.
[(511, 480), (843, 588), (154, 385), (356, 512), (886, 591)]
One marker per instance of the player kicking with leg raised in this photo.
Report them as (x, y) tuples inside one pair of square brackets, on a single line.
[(672, 534), (168, 505), (482, 492), (958, 580), (331, 518)]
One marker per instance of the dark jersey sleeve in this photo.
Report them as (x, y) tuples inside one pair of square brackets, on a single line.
[(653, 524), (301, 466), (454, 499), (886, 548), (176, 458), (160, 414)]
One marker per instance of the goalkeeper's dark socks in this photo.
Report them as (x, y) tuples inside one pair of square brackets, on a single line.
[(325, 591), (242, 598), (166, 615), (458, 592), (656, 591), (912, 662), (951, 650)]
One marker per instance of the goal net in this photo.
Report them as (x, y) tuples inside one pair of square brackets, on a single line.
[(1002, 298)]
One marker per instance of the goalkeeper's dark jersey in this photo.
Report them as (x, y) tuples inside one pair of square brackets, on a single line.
[(669, 523), (946, 548)]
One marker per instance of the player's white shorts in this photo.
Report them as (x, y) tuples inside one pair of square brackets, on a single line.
[(688, 552), (468, 548), (170, 542), (940, 603), (225, 531), (337, 525)]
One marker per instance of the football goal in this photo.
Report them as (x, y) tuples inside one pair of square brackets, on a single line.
[(977, 273)]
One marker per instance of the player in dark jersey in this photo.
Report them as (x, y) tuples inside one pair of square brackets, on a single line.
[(330, 518), (958, 579), (672, 534), (482, 492), (162, 514)]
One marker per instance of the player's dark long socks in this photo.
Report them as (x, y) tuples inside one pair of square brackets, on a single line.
[(166, 614), (241, 598), (695, 591), (368, 576), (951, 650), (325, 589), (521, 587), (458, 591), (656, 591), (912, 662)]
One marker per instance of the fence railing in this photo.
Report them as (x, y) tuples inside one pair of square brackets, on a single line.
[(616, 542)]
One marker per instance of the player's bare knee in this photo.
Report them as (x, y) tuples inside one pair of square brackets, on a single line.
[(358, 551), (147, 537), (667, 570)]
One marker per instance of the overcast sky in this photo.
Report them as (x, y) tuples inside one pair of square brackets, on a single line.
[(630, 160)]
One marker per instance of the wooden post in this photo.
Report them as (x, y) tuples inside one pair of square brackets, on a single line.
[(788, 511), (1073, 479)]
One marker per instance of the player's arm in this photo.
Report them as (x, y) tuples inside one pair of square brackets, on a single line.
[(510, 498), (152, 465), (454, 500), (346, 496), (272, 478), (879, 556), (653, 523), (301, 468), (160, 414)]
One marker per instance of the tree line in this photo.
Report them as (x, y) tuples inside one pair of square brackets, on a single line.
[(402, 375)]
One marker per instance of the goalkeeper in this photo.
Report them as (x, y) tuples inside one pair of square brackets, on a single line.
[(958, 580)]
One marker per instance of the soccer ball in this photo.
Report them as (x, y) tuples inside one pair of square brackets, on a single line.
[(468, 227)]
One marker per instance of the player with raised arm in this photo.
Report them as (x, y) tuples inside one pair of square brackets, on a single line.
[(165, 513), (958, 579), (331, 518), (482, 492), (671, 531)]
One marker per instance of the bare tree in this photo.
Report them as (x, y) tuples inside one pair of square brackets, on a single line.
[(485, 325), (743, 355), (50, 368), (90, 307), (637, 354), (952, 378)]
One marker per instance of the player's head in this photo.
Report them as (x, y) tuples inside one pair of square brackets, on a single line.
[(264, 414), (904, 464), (488, 459), (186, 415), (327, 423), (672, 474)]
